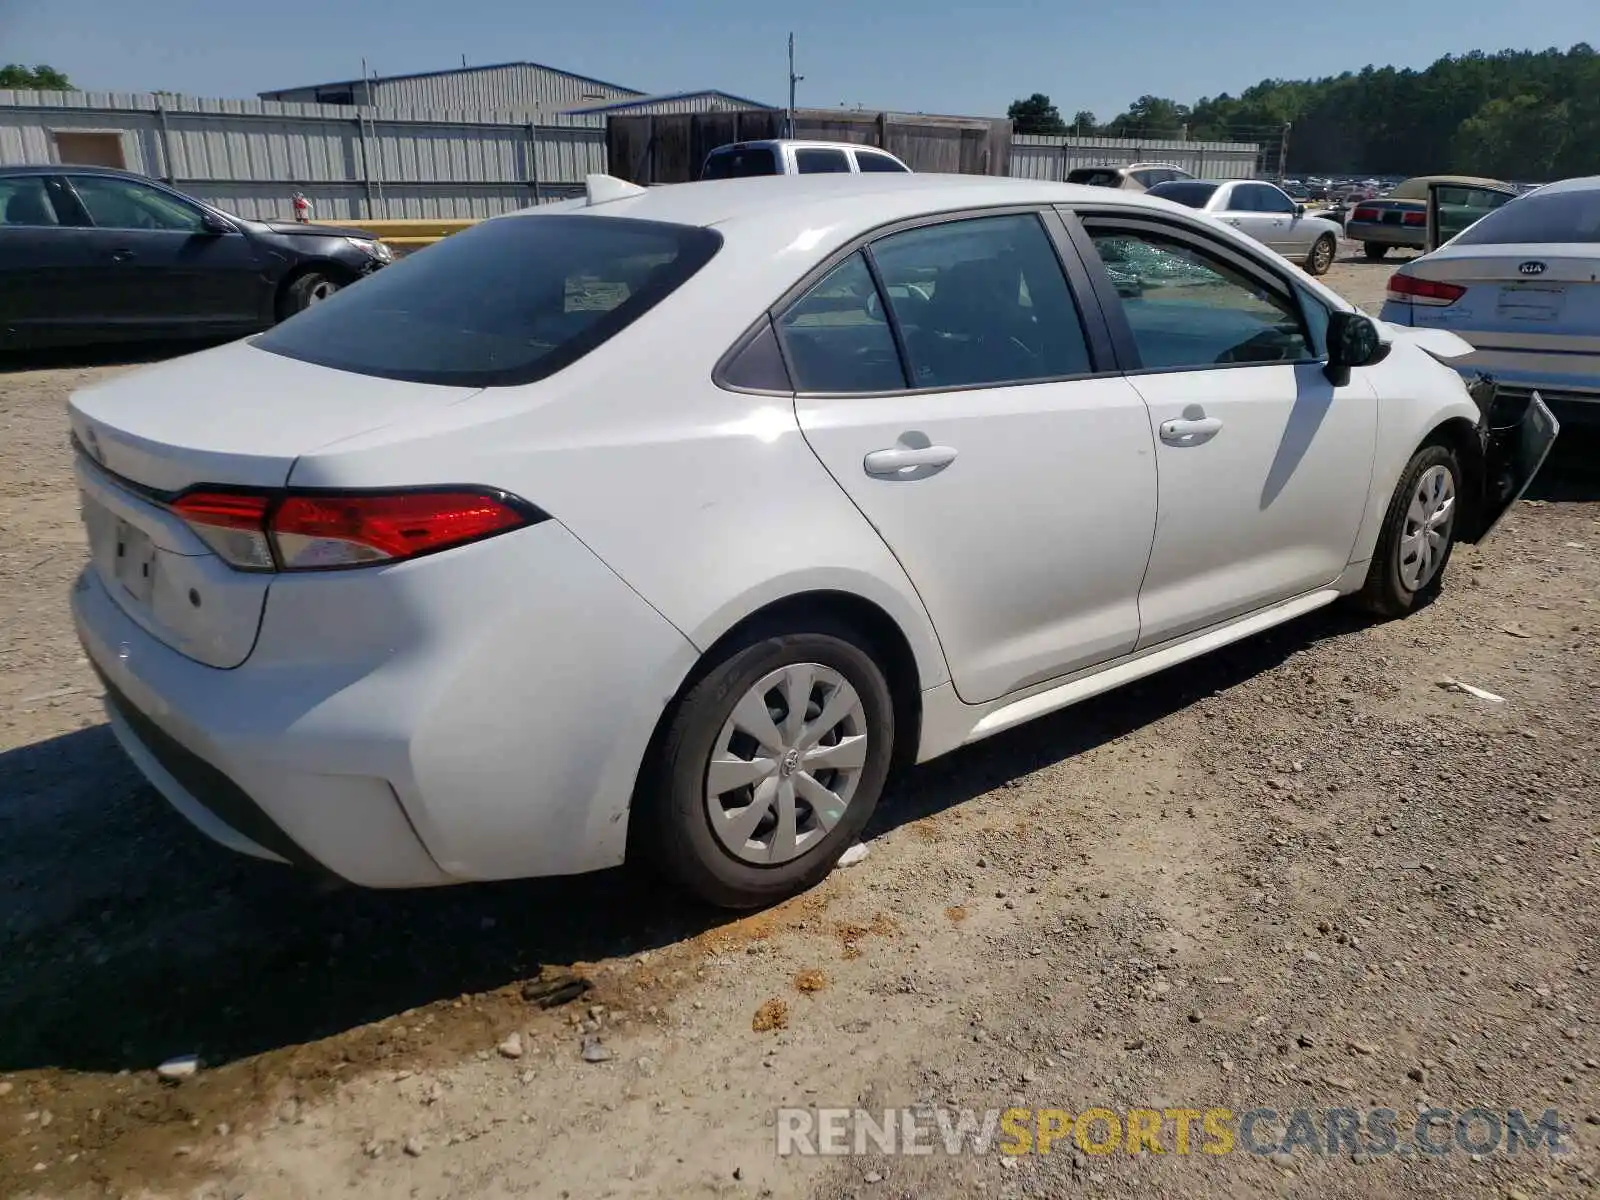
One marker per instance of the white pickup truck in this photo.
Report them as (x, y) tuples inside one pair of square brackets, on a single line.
[(790, 157)]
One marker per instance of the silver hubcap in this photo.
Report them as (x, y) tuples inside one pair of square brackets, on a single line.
[(1426, 535), (1323, 255), (320, 291), (786, 764)]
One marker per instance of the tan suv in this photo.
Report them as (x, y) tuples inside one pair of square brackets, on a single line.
[(1135, 177)]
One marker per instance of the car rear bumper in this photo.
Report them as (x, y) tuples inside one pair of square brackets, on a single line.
[(1379, 234), (483, 717)]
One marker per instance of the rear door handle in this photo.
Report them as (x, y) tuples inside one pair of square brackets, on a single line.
[(908, 462), (1183, 430), (122, 255)]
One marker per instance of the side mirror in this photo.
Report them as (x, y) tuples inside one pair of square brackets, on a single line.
[(215, 224), (1353, 341), (1299, 210)]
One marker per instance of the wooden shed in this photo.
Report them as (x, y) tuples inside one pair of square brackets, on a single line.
[(670, 147)]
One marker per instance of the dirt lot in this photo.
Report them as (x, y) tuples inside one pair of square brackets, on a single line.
[(1298, 873)]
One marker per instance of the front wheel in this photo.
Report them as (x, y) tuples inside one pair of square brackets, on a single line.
[(1374, 251), (1321, 257), (769, 768), (308, 290), (1417, 536)]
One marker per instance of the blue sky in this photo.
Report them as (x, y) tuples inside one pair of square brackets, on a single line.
[(898, 54)]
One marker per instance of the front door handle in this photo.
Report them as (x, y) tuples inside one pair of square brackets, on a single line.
[(1185, 430), (908, 462), (122, 255)]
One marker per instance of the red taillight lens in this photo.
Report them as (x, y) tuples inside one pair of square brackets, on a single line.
[(1365, 214), (313, 531), (1414, 218), (233, 524), (1430, 292)]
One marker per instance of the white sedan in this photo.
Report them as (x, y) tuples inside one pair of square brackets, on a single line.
[(1265, 212), (663, 524)]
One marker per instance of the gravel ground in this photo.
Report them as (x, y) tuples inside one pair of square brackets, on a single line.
[(1297, 873)]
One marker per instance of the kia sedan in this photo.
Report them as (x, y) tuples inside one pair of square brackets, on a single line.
[(1523, 287), (664, 523)]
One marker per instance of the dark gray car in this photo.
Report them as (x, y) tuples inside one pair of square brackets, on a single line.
[(91, 254)]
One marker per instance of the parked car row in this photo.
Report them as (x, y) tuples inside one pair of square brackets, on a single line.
[(662, 524), (90, 254)]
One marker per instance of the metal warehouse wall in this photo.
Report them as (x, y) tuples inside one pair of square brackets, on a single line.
[(250, 156), (1038, 157)]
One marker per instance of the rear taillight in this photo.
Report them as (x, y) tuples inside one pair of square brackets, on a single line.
[(1365, 214), (233, 524), (1430, 292), (309, 531), (1414, 218)]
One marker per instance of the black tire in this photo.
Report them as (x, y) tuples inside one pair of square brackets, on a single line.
[(305, 289), (1323, 252), (1385, 593), (1374, 252), (671, 825)]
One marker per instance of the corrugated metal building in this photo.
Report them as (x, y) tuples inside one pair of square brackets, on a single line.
[(522, 87), (1037, 156), (250, 156)]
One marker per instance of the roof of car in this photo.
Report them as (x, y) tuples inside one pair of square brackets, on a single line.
[(865, 201), (1416, 188), (1585, 183), (57, 168), (804, 144)]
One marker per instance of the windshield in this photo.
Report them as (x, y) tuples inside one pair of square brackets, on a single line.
[(1539, 217), (739, 162), (506, 302), (1183, 191)]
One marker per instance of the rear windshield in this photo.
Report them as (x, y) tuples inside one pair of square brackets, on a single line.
[(1539, 217), (1182, 191), (508, 301), (1096, 177), (739, 162)]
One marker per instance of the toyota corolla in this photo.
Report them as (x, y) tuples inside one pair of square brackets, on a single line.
[(663, 524)]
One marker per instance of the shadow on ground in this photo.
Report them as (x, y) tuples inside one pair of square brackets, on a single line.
[(128, 937)]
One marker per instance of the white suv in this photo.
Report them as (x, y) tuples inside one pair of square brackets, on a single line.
[(789, 157)]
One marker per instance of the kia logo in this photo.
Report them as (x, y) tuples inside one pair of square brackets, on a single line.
[(1531, 268)]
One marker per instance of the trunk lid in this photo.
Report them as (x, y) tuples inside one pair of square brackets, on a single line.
[(235, 416), (1531, 310)]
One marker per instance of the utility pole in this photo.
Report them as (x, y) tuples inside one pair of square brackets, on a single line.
[(1283, 153), (793, 79)]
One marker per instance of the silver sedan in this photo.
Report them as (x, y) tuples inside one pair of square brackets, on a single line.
[(1521, 286), (1265, 212)]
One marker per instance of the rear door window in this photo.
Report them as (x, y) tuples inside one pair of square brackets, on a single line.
[(509, 301), (731, 162), (878, 162), (25, 200), (982, 302), (837, 335), (812, 160)]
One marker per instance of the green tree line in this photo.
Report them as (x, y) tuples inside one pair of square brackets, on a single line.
[(1517, 114), (38, 79)]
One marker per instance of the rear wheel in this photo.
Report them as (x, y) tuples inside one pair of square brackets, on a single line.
[(1321, 257), (1374, 251), (769, 768), (1417, 536)]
